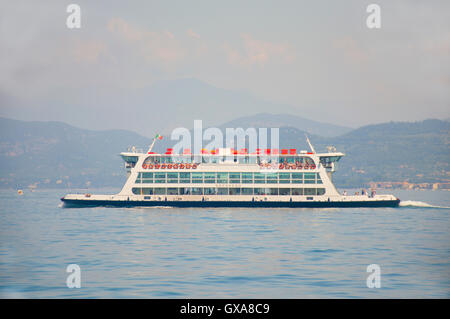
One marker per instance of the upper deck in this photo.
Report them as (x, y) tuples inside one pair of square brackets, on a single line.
[(267, 158)]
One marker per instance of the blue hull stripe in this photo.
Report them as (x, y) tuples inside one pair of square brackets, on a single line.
[(106, 203)]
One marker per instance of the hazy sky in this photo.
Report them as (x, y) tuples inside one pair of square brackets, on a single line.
[(316, 59)]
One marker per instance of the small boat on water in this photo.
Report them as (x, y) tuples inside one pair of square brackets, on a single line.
[(227, 177)]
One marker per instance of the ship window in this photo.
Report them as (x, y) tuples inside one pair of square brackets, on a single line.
[(160, 178), (297, 178), (209, 191), (272, 178), (197, 175), (247, 178), (235, 191), (185, 178), (297, 191), (321, 191), (258, 191), (247, 191), (297, 175), (197, 191), (285, 191), (146, 178), (210, 178), (136, 191), (284, 178), (222, 178), (159, 191), (310, 178), (172, 191), (147, 191), (197, 178), (259, 178), (252, 160), (235, 177), (310, 191), (284, 175), (172, 177), (271, 191), (222, 191)]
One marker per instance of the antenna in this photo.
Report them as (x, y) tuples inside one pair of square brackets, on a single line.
[(310, 145), (151, 146)]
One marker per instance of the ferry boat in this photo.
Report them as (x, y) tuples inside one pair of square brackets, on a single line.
[(230, 178)]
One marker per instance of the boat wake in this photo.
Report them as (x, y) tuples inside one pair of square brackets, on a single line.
[(418, 204)]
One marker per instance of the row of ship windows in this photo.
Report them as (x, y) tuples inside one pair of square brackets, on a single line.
[(226, 191), (233, 178)]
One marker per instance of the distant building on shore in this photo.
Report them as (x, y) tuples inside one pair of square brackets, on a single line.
[(408, 185)]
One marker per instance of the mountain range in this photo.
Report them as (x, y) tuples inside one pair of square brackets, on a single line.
[(161, 107), (55, 154)]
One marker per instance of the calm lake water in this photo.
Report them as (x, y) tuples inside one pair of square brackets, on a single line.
[(223, 253)]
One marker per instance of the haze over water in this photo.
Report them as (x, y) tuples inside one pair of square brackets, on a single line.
[(223, 253)]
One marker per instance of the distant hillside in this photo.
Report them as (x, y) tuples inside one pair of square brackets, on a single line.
[(284, 120), (165, 105), (55, 154), (397, 151)]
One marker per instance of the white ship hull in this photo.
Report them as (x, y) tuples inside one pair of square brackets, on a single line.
[(231, 179)]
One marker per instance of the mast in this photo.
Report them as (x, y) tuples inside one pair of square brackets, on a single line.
[(157, 137), (310, 145), (151, 146)]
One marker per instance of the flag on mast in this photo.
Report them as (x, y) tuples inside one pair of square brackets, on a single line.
[(157, 137)]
